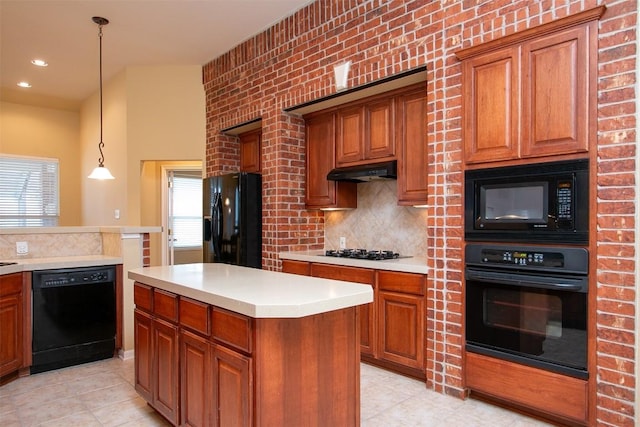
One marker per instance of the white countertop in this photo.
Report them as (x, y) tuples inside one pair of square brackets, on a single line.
[(32, 264), (255, 293), (407, 265), (128, 229)]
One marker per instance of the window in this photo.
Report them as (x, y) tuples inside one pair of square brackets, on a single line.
[(187, 209), (29, 194)]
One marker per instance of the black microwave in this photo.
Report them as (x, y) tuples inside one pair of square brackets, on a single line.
[(542, 202)]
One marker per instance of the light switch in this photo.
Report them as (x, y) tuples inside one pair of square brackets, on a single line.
[(116, 213)]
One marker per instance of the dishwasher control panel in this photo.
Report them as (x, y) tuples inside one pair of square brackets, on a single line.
[(73, 276)]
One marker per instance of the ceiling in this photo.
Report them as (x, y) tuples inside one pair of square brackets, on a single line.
[(140, 32)]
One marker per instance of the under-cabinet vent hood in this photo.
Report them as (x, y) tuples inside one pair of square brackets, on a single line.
[(364, 173)]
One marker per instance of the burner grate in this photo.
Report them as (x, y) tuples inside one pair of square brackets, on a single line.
[(362, 254)]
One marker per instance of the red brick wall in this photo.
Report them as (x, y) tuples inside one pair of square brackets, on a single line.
[(292, 63)]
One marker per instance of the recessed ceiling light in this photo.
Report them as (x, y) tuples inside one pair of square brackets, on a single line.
[(24, 84), (39, 62)]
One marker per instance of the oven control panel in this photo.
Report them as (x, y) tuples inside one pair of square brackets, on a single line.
[(522, 258)]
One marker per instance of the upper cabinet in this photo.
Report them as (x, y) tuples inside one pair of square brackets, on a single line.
[(365, 133), (319, 192), (390, 126), (531, 94), (250, 145)]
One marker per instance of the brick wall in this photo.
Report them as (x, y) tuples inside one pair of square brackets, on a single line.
[(292, 63)]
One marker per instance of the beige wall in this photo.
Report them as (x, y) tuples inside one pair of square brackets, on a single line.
[(150, 113), (45, 132)]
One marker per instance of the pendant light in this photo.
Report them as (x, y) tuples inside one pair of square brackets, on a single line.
[(100, 172)]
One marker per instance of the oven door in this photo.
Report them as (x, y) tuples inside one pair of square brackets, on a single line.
[(537, 320)]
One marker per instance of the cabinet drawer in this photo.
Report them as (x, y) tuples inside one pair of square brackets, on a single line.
[(10, 284), (409, 283), (165, 304), (232, 329), (348, 274), (142, 296), (195, 315), (296, 267)]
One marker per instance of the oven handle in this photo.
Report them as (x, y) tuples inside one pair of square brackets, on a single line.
[(527, 280)]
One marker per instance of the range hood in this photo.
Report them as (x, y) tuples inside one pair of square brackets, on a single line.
[(365, 173)]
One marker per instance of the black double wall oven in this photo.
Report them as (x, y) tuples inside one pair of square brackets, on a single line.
[(526, 265)]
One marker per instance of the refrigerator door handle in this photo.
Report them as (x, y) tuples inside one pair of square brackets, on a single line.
[(216, 226), (206, 229)]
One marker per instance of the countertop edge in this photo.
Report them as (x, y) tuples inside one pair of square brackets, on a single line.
[(406, 265), (33, 264), (254, 310)]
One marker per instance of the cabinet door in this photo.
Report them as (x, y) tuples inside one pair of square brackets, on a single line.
[(195, 379), (11, 323), (349, 136), (319, 192), (556, 94), (491, 106), (366, 312), (401, 325), (232, 394), (250, 146), (378, 136), (165, 375), (411, 137), (143, 350)]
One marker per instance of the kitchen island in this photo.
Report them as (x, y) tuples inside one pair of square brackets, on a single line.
[(217, 344)]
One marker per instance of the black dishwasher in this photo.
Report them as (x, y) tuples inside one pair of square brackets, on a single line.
[(74, 316)]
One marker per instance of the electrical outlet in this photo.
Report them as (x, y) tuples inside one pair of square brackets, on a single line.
[(116, 214), (22, 248), (343, 243)]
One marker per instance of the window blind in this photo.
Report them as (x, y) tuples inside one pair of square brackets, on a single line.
[(187, 210), (29, 193)]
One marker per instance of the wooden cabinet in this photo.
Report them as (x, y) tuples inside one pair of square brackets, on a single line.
[(392, 328), (250, 147), (232, 398), (195, 379), (366, 312), (531, 95), (401, 318), (365, 133), (320, 159), (156, 350), (411, 138), (11, 323)]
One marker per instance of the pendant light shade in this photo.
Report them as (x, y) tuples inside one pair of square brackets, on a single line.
[(100, 172)]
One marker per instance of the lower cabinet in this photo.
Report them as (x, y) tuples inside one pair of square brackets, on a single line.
[(11, 323), (392, 328), (181, 368)]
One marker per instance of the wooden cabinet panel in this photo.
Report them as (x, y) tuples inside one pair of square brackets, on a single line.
[(250, 146), (555, 110), (194, 315), (195, 380), (411, 137), (165, 305), (143, 349), (232, 329), (401, 326), (378, 124), (491, 106), (320, 158), (408, 283), (232, 400), (11, 323), (550, 393), (165, 375), (349, 136), (296, 267)]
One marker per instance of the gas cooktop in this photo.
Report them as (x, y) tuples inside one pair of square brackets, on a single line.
[(375, 255)]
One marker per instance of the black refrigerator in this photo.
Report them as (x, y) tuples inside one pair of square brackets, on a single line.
[(233, 219)]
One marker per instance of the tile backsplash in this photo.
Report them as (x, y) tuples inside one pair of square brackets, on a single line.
[(378, 222), (51, 245)]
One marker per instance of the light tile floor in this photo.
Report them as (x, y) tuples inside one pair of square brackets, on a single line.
[(102, 394)]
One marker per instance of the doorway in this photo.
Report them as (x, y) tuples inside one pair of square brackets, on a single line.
[(181, 214)]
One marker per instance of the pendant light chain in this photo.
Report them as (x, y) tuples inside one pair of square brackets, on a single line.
[(101, 144)]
